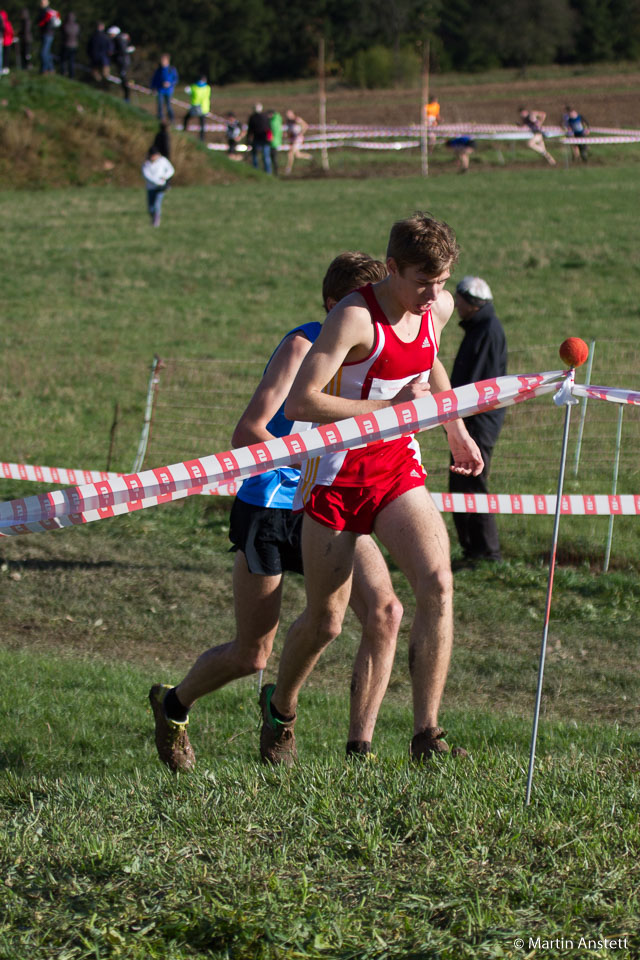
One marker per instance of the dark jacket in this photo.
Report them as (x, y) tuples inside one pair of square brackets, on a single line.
[(258, 129), (121, 52), (99, 48), (70, 32), (25, 30), (482, 356)]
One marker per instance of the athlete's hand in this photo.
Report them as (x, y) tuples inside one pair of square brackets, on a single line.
[(412, 391), (467, 459)]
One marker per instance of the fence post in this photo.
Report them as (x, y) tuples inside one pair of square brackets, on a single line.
[(583, 411), (614, 488), (146, 426)]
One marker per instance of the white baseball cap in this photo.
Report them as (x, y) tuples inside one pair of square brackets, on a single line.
[(475, 287)]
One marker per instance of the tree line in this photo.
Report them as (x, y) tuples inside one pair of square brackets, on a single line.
[(368, 42)]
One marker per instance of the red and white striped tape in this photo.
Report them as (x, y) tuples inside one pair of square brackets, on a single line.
[(540, 504), (513, 503), (78, 504), (612, 394), (38, 474)]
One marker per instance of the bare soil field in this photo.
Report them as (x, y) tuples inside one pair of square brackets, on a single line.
[(605, 98)]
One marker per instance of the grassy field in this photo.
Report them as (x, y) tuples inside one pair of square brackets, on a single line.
[(102, 854)]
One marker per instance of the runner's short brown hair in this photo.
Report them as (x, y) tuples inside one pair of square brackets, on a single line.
[(347, 272), (423, 241)]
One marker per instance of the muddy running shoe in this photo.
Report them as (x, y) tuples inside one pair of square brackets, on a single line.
[(277, 739), (172, 739), (430, 743)]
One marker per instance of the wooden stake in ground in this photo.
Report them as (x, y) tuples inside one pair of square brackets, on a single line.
[(424, 145), (322, 97)]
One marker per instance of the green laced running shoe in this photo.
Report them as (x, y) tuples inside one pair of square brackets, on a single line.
[(277, 739), (172, 739)]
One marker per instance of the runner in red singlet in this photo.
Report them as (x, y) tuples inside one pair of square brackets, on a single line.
[(377, 348)]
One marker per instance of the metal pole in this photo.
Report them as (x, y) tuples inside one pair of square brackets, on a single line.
[(146, 426), (583, 412), (614, 489), (568, 401)]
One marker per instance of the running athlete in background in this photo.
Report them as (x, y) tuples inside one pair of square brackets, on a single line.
[(576, 126), (266, 537), (534, 119), (295, 128), (378, 347)]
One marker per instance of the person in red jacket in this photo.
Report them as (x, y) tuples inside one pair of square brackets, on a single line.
[(48, 21), (6, 41)]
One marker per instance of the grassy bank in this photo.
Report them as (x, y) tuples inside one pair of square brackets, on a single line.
[(104, 855)]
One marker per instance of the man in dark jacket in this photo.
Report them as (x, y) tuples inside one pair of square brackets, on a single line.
[(482, 356), (70, 33), (121, 56), (99, 50), (259, 137)]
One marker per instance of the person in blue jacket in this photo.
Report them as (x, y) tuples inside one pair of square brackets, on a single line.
[(164, 81)]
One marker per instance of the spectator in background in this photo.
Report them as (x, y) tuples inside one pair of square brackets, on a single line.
[(70, 32), (482, 356), (275, 122), (259, 137), (432, 116), (6, 41), (200, 104), (576, 125), (162, 141), (99, 51), (121, 54), (25, 34), (48, 21), (164, 81), (157, 172), (234, 133), (534, 119)]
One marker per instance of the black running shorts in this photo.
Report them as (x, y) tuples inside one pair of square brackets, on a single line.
[(269, 537)]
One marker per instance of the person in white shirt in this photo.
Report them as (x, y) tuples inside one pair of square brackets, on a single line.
[(157, 172)]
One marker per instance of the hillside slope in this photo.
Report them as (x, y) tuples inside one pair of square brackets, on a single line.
[(56, 132)]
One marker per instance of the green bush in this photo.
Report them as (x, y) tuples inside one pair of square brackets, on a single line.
[(380, 67)]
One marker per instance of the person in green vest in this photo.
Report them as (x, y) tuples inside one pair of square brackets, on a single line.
[(275, 119), (200, 103)]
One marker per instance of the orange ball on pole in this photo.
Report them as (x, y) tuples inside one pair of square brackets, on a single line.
[(574, 352)]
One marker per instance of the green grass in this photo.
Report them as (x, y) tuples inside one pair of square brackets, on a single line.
[(102, 854)]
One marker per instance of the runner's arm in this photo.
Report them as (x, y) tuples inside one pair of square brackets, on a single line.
[(467, 459), (347, 332), (271, 391)]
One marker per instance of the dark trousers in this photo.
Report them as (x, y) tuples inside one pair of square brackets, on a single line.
[(477, 532), (68, 62), (193, 112)]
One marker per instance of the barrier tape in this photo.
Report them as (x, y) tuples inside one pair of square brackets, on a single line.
[(577, 505), (612, 394), (345, 131), (49, 511), (503, 503), (38, 474)]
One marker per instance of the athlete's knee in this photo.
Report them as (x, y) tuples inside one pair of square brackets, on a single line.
[(435, 589), (250, 658), (324, 626), (384, 616)]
